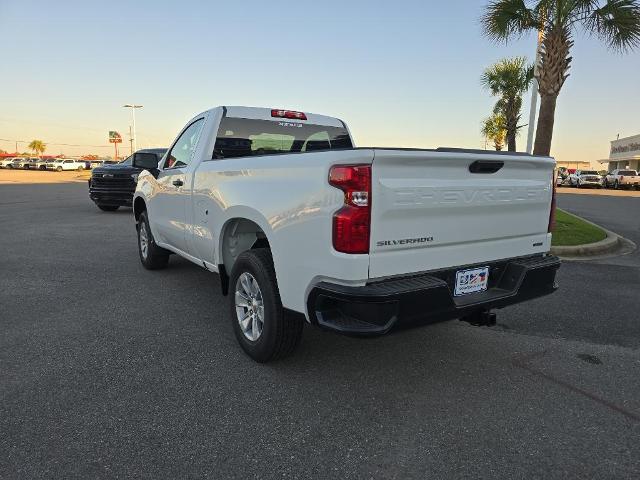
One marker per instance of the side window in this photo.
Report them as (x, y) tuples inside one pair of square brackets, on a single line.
[(182, 151), (68, 161)]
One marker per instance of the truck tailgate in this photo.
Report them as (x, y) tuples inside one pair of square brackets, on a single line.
[(433, 209)]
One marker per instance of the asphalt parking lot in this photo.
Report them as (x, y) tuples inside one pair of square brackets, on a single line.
[(111, 371)]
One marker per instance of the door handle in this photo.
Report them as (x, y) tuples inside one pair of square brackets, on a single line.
[(178, 182)]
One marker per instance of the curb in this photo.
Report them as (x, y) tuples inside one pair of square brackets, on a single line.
[(611, 243)]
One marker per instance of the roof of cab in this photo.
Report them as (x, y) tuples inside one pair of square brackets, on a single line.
[(260, 113)]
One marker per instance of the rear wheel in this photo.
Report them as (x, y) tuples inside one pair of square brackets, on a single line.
[(108, 208), (263, 329), (80, 168), (152, 256)]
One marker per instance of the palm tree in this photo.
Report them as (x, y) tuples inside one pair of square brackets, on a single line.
[(509, 79), (37, 146), (615, 22), (494, 129)]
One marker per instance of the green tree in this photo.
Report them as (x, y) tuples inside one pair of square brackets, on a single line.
[(509, 79), (494, 129), (615, 22), (37, 146)]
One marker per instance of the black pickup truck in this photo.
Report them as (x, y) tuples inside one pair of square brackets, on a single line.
[(112, 186)]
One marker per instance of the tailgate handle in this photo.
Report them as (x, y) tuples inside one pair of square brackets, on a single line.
[(486, 166)]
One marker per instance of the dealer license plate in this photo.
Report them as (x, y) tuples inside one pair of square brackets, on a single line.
[(471, 281)]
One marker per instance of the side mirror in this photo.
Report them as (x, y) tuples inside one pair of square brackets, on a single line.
[(146, 161)]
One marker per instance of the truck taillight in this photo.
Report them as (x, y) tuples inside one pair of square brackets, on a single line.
[(552, 213), (351, 224), (288, 114)]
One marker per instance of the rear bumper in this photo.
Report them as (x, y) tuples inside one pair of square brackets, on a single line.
[(376, 308)]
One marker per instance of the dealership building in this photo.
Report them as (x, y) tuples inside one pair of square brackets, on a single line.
[(625, 153)]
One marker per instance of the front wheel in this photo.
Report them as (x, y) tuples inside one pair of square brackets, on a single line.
[(80, 168), (58, 169), (152, 256), (261, 326)]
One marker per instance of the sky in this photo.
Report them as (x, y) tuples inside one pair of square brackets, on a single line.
[(402, 73)]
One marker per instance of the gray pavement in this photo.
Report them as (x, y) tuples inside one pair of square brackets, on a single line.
[(111, 371)]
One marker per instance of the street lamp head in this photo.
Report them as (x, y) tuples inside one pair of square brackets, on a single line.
[(128, 105)]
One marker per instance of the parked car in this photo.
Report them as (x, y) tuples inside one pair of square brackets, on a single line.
[(622, 178), (112, 186), (585, 178), (300, 225), (91, 164), (7, 162), (19, 162), (40, 164), (29, 163), (561, 177), (60, 164)]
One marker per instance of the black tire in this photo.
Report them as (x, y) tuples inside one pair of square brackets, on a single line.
[(281, 332), (108, 208), (80, 168), (155, 257)]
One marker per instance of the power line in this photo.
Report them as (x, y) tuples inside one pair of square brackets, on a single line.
[(57, 144)]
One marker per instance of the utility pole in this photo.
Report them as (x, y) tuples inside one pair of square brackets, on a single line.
[(534, 97), (133, 107), (130, 141)]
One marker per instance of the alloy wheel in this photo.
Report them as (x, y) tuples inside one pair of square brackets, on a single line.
[(249, 306), (144, 240)]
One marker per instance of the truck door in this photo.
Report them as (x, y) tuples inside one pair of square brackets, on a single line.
[(170, 202)]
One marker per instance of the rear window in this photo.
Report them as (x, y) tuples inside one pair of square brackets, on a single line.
[(588, 172), (627, 172), (243, 137)]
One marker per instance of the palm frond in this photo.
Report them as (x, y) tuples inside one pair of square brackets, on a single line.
[(505, 19), (617, 23)]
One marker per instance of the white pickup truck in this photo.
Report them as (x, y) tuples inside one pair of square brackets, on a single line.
[(622, 178), (302, 226)]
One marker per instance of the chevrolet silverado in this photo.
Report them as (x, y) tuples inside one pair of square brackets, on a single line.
[(301, 226)]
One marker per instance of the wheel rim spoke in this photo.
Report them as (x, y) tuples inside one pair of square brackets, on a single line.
[(242, 300)]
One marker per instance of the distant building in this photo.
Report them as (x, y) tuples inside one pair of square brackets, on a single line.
[(625, 153), (579, 165)]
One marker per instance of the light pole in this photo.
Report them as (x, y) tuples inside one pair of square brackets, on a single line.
[(133, 107)]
